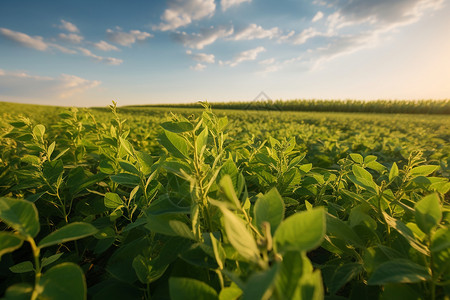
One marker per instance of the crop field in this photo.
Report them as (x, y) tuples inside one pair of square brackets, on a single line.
[(204, 203)]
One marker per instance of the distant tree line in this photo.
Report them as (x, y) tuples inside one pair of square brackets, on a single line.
[(374, 106)]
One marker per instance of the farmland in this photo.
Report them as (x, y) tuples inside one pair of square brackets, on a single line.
[(199, 203)]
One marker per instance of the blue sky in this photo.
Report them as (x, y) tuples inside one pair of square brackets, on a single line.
[(86, 53)]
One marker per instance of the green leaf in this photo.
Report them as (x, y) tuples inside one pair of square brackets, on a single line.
[(399, 271), (428, 213), (394, 172), (177, 127), (424, 170), (9, 242), (294, 267), (259, 285), (232, 292), (127, 146), (39, 131), (20, 291), (112, 200), (344, 274), (339, 229), (169, 224), (202, 139), (269, 208), (406, 233), (70, 232), (50, 149), (302, 231), (226, 185), (21, 215), (190, 289), (52, 170), (23, 267), (126, 179), (175, 144), (64, 281), (49, 260), (145, 162), (239, 236), (357, 158)]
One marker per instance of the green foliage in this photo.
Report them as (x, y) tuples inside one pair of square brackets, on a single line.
[(223, 205)]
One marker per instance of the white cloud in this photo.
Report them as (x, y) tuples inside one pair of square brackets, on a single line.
[(254, 31), (104, 46), (318, 16), (183, 12), (202, 39), (201, 57), (68, 26), (71, 37), (35, 42), (107, 60), (198, 67), (248, 55), (63, 49), (127, 38), (23, 85), (305, 35), (269, 61), (226, 4), (381, 13)]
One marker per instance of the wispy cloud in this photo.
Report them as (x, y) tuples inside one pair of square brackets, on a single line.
[(64, 25), (248, 55), (71, 37), (183, 12), (226, 4), (198, 67), (201, 57), (34, 42), (22, 84), (127, 38), (203, 38), (107, 60), (318, 16), (105, 46), (254, 31)]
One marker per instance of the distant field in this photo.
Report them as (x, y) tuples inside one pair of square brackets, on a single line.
[(376, 106), (230, 203)]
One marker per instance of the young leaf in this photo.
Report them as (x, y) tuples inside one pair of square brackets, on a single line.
[(424, 170), (202, 139), (112, 200), (269, 208), (428, 213), (399, 270), (394, 171), (302, 231), (239, 236), (190, 289), (145, 162), (21, 215), (49, 260), (64, 281), (70, 232), (9, 242), (357, 158), (23, 267)]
